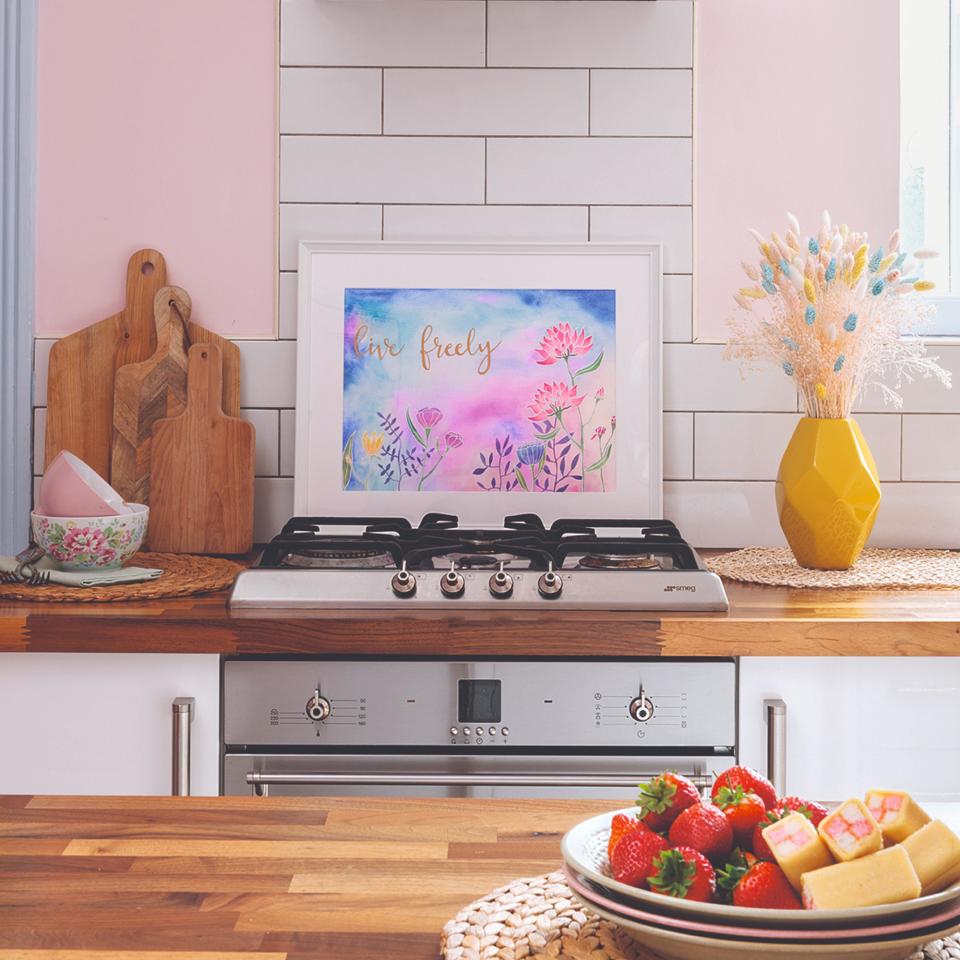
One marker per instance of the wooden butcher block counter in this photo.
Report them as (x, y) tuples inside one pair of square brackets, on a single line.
[(762, 621), (218, 878)]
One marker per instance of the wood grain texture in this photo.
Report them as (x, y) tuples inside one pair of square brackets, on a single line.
[(358, 887), (202, 463), (762, 621), (82, 366), (147, 392)]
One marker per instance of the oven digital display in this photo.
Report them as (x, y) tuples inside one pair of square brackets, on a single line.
[(478, 701)]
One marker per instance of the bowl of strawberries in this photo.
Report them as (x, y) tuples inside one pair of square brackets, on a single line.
[(742, 870)]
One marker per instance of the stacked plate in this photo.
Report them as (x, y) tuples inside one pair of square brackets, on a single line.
[(685, 930)]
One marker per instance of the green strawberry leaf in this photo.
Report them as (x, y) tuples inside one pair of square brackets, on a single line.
[(656, 796), (674, 875)]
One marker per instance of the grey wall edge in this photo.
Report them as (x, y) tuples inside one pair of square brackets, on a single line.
[(18, 23)]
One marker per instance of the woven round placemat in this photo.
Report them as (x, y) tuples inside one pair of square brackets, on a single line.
[(183, 575), (876, 569), (539, 917)]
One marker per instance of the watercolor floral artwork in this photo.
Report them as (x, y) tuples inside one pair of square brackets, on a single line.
[(475, 390)]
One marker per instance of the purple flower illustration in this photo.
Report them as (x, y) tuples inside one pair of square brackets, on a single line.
[(529, 453)]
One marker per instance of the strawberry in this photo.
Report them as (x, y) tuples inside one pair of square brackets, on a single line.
[(750, 780), (814, 812), (684, 873), (762, 885), (758, 845), (743, 810), (620, 827), (663, 798), (633, 856), (705, 828)]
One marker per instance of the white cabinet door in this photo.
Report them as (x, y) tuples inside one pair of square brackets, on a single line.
[(858, 722), (99, 723)]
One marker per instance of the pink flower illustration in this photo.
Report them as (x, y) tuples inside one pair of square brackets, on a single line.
[(599, 395), (429, 417), (599, 432), (108, 556), (453, 440), (560, 342), (552, 399), (83, 540)]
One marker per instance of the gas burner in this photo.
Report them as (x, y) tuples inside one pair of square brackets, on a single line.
[(479, 561), (323, 559), (625, 561)]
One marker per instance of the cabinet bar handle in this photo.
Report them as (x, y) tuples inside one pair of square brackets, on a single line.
[(182, 718), (775, 712)]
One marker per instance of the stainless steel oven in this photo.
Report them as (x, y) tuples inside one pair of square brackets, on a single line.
[(473, 728)]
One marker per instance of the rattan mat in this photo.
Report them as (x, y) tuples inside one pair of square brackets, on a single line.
[(539, 917), (183, 575), (876, 569)]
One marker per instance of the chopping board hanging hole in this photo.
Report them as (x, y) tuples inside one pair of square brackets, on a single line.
[(202, 484), (148, 391)]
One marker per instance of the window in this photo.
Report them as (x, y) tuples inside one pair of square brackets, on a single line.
[(930, 146)]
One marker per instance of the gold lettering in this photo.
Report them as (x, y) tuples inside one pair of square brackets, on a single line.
[(433, 348), (372, 348)]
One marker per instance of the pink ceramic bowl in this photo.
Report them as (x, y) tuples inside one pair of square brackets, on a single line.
[(71, 488), (91, 543)]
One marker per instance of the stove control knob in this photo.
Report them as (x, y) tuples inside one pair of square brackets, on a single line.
[(452, 583), (550, 584), (501, 584), (318, 708), (641, 708), (404, 584)]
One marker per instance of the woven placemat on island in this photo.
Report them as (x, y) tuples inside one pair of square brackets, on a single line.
[(183, 576), (877, 569), (539, 917)]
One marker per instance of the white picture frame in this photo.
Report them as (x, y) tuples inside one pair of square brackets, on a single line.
[(328, 270)]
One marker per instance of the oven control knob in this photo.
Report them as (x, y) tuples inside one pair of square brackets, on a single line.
[(318, 708), (550, 585), (501, 584), (452, 583), (404, 584), (641, 708)]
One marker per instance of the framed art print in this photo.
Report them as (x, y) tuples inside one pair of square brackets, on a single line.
[(479, 380)]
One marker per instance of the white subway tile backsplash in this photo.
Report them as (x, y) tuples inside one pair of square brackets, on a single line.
[(490, 102), (590, 33), (678, 446), (319, 221), (677, 309), (288, 431), (918, 515), (288, 306), (645, 103), (39, 438), (604, 170), (672, 226), (485, 223), (329, 100), (381, 170), (723, 513), (696, 377), (420, 33), (267, 424), (41, 361), (931, 447), (272, 506), (268, 373)]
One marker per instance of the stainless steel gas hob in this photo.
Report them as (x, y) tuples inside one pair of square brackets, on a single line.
[(383, 563)]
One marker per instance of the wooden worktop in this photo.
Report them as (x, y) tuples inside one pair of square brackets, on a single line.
[(762, 621), (300, 878)]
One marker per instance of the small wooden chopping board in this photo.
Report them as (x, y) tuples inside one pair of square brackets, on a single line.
[(82, 367), (148, 391), (201, 496)]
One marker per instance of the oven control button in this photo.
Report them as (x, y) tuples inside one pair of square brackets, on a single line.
[(492, 731), (404, 584), (550, 584), (641, 708), (318, 708), (501, 584), (452, 583), (505, 730), (454, 731), (467, 731)]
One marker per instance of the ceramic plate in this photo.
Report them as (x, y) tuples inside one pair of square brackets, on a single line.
[(673, 945), (593, 896), (585, 852)]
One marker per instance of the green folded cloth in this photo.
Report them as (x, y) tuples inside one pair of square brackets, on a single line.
[(86, 578)]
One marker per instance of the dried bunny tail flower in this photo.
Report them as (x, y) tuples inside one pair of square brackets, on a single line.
[(810, 290), (743, 301), (754, 292), (886, 263), (925, 254), (825, 220), (758, 236), (792, 241), (844, 231), (922, 285), (796, 277), (893, 276), (836, 244), (794, 223), (750, 270), (893, 243)]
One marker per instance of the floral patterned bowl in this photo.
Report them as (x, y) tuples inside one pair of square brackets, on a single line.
[(89, 543)]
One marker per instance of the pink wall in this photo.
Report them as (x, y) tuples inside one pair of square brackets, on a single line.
[(156, 127), (797, 109)]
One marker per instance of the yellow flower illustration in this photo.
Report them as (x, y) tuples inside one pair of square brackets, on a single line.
[(372, 442)]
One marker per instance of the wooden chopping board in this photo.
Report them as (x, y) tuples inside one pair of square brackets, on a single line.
[(82, 367), (201, 497), (148, 391)]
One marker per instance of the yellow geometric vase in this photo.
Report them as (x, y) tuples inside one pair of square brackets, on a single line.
[(828, 493)]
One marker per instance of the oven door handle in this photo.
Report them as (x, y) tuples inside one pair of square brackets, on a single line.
[(261, 782)]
